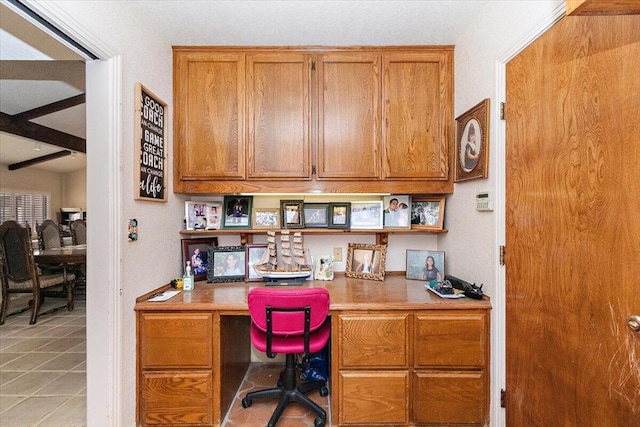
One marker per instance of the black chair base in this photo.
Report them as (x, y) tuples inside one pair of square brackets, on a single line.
[(289, 392)]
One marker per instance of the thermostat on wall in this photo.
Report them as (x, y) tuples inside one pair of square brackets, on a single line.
[(483, 201)]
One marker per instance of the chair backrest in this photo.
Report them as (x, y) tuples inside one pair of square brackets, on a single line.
[(16, 254), (288, 322), (49, 236), (79, 232)]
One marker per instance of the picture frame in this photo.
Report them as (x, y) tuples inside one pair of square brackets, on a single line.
[(195, 213), (254, 252), (416, 264), (226, 264), (150, 167), (340, 215), (213, 215), (237, 212), (197, 252), (292, 213), (397, 211), (427, 213), (366, 261), (367, 215), (324, 267), (316, 215), (472, 143), (266, 218)]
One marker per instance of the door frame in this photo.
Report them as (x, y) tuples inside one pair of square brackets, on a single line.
[(104, 124), (498, 368)]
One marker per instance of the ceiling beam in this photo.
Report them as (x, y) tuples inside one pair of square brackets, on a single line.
[(41, 133), (70, 72), (50, 108), (40, 159)]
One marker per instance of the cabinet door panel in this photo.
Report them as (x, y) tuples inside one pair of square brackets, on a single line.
[(374, 397), (278, 97), (349, 116), (450, 339), (374, 341), (209, 115), (176, 340), (418, 98), (177, 398), (449, 397)]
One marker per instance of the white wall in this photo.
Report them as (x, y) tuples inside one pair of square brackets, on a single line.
[(33, 179), (74, 189)]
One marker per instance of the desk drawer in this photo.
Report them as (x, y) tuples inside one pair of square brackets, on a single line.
[(169, 340), (373, 340), (451, 339), (176, 398)]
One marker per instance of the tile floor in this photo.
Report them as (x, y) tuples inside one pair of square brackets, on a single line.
[(43, 368), (43, 376)]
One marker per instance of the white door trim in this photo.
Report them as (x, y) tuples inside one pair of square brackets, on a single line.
[(498, 416)]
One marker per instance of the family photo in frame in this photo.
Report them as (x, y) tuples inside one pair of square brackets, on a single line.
[(226, 264), (425, 265), (472, 143), (427, 213), (366, 261), (196, 251), (237, 211), (292, 212), (397, 211)]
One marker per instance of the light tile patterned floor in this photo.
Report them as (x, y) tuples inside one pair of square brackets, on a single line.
[(43, 368)]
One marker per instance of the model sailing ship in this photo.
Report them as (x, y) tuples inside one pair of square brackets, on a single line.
[(291, 264)]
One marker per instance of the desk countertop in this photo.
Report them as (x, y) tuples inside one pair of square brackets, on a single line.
[(395, 293)]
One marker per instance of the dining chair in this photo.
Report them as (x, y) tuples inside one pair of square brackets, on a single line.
[(49, 235), (79, 232), (289, 321), (19, 273)]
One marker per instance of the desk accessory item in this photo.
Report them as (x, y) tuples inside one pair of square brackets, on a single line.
[(470, 290), (188, 280), (285, 264), (163, 296), (444, 289)]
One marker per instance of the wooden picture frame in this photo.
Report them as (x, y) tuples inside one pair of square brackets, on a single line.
[(367, 215), (472, 143), (266, 218), (237, 212), (365, 261), (197, 252), (316, 215), (427, 213), (340, 215), (226, 264), (416, 265), (397, 211), (292, 213), (254, 252), (150, 167)]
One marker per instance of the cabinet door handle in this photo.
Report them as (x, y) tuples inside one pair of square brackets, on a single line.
[(634, 323)]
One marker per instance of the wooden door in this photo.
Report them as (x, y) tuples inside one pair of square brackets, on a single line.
[(209, 116), (417, 114), (349, 116), (573, 226), (279, 108)]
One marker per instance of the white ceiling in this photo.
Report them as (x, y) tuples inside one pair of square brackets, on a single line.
[(208, 22)]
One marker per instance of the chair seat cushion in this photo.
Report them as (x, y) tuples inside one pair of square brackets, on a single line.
[(291, 344)]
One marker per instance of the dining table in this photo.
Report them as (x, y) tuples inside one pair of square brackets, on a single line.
[(64, 255)]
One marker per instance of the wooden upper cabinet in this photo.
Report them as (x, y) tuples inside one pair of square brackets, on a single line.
[(209, 116), (349, 116), (417, 115), (278, 112)]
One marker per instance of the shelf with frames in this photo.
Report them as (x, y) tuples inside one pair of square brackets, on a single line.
[(246, 235)]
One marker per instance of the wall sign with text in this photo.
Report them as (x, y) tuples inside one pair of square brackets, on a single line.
[(150, 169)]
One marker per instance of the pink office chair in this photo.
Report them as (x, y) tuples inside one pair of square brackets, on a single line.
[(289, 321)]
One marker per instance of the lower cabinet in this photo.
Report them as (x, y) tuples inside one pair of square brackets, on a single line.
[(427, 367)]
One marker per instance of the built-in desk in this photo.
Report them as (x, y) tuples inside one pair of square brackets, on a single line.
[(399, 354)]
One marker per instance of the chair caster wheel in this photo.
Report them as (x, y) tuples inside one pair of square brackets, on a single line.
[(324, 391), (246, 402), (319, 422)]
